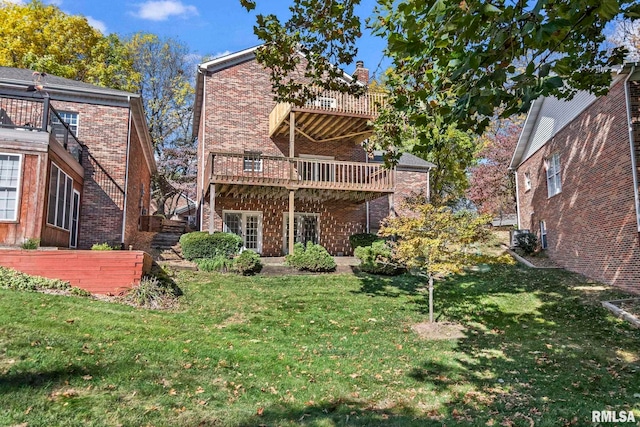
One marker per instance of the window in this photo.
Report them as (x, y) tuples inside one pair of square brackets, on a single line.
[(60, 198), (9, 181), (71, 119), (252, 162), (527, 181), (554, 185), (543, 235), (323, 102)]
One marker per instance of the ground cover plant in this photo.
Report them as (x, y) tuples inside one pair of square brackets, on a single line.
[(332, 350)]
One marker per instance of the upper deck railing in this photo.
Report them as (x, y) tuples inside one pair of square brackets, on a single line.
[(327, 101), (37, 115)]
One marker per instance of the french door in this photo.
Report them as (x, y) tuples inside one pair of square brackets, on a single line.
[(305, 229), (247, 225)]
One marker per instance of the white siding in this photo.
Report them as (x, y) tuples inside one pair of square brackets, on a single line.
[(554, 115)]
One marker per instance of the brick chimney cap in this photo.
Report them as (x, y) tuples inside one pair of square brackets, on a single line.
[(359, 64)]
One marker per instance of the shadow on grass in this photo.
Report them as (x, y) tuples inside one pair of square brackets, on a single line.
[(45, 378), (536, 343)]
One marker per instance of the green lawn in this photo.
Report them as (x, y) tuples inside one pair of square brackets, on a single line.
[(321, 351)]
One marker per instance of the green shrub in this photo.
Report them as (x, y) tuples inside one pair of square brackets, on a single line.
[(378, 259), (219, 263), (247, 263), (527, 242), (31, 244), (101, 247), (151, 293), (200, 244), (310, 258), (18, 281), (363, 239)]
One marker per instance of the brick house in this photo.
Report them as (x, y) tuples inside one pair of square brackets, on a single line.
[(75, 162), (278, 174), (577, 180)]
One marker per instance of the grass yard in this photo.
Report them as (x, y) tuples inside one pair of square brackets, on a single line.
[(328, 350)]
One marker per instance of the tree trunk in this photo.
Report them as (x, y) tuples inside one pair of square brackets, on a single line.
[(430, 299)]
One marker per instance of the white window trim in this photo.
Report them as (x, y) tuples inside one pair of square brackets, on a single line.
[(285, 226), (554, 177), (77, 125), (527, 181), (60, 171), (243, 213), (544, 243), (18, 188), (255, 159)]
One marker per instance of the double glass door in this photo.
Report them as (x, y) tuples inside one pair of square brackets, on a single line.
[(247, 225)]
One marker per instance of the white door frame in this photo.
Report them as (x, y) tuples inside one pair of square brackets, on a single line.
[(243, 231)]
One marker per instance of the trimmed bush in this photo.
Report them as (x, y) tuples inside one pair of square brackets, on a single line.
[(219, 263), (247, 263), (310, 258), (31, 244), (200, 244), (362, 239), (101, 247), (527, 242), (378, 259)]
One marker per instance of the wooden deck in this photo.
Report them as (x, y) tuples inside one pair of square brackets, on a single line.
[(235, 174), (330, 116)]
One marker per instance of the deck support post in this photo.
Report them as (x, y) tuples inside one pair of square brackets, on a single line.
[(212, 206), (291, 220)]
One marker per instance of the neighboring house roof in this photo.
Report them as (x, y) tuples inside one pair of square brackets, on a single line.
[(59, 88), (548, 116), (505, 220), (407, 162)]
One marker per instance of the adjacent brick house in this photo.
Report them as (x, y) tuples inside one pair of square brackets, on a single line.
[(276, 173), (576, 173), (75, 162)]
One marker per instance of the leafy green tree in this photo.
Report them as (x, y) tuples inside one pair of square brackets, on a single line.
[(435, 241), (165, 82), (43, 38), (458, 61)]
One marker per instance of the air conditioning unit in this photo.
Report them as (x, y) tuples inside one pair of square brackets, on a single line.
[(512, 237)]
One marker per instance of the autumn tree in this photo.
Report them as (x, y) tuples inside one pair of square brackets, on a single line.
[(492, 185), (435, 241), (43, 38), (458, 61), (167, 93)]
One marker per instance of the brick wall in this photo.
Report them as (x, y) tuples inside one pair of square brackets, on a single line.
[(408, 184), (99, 272), (103, 129), (137, 190), (337, 221), (591, 224)]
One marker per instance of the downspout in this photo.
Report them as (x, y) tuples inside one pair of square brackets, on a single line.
[(366, 203), (202, 156), (126, 175), (634, 170), (515, 173)]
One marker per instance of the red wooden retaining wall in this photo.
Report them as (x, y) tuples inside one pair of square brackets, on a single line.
[(99, 272)]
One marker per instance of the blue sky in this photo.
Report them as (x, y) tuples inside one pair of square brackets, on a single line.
[(208, 27)]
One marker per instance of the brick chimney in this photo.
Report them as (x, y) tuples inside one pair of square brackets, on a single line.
[(361, 73)]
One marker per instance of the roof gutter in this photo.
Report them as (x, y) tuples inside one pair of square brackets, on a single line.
[(634, 170)]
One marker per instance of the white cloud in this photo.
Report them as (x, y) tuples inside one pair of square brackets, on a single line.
[(15, 1), (97, 24), (221, 54), (163, 10)]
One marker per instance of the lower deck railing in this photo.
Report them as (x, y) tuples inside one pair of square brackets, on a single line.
[(256, 169)]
